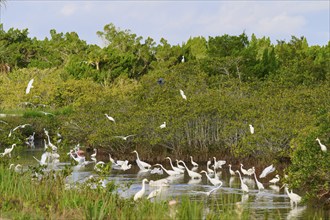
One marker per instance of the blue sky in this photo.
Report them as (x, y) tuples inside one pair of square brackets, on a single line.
[(176, 21)]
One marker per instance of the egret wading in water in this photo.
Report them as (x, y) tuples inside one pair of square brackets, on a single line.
[(193, 162), (29, 86), (323, 147), (192, 174), (275, 180), (244, 187), (294, 198), (141, 164), (8, 151), (214, 181), (140, 193)]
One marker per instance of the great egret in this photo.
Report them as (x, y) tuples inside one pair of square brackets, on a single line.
[(219, 163), (179, 166), (323, 147), (259, 184), (155, 193), (294, 198), (192, 174), (30, 140), (244, 187), (43, 160), (231, 171), (182, 59), (8, 151), (169, 172), (29, 86), (173, 167), (244, 171), (251, 129), (110, 118), (267, 171), (250, 171), (163, 125), (275, 180), (214, 181), (160, 182), (54, 148), (193, 162), (140, 193), (208, 193), (141, 164), (99, 166), (125, 137), (208, 169), (17, 168), (183, 95), (95, 153)]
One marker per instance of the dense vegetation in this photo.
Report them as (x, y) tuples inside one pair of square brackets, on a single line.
[(230, 82)]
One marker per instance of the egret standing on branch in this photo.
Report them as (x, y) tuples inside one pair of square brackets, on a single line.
[(125, 137), (29, 86)]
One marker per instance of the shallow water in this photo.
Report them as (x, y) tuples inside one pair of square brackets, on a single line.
[(272, 202)]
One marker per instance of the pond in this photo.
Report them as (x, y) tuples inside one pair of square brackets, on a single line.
[(272, 202)]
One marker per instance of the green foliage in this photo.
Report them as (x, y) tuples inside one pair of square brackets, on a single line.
[(310, 167)]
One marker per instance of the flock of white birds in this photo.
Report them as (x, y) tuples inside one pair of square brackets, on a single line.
[(51, 157)]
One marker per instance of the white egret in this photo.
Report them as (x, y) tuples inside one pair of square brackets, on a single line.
[(214, 181), (17, 168), (125, 165), (163, 125), (179, 166), (46, 113), (259, 184), (182, 59), (192, 174), (323, 147), (30, 140), (54, 148), (209, 171), (275, 180), (219, 163), (244, 171), (232, 173), (29, 86), (251, 129), (110, 118), (125, 137), (160, 182), (294, 198), (173, 167), (155, 193), (244, 187), (141, 164), (193, 162), (267, 171), (43, 160), (95, 153), (99, 166), (157, 170), (250, 171), (8, 151), (208, 193), (183, 95), (169, 172), (140, 193)]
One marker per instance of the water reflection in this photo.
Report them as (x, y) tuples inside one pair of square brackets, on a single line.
[(270, 200)]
